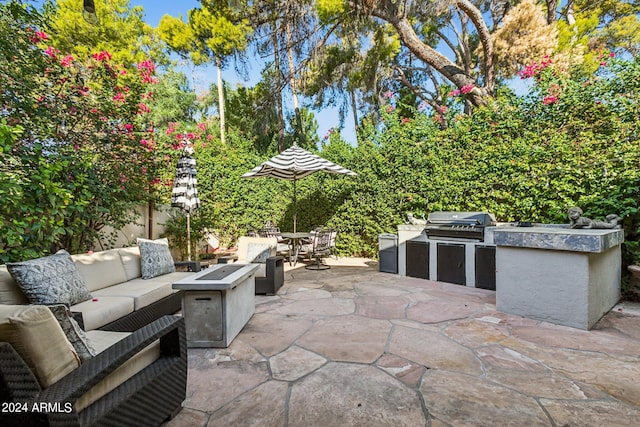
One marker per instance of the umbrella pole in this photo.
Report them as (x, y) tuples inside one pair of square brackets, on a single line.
[(188, 237), (295, 206)]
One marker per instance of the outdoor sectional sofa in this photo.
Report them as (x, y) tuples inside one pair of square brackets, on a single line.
[(121, 300), (99, 347)]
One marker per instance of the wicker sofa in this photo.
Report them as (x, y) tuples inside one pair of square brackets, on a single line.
[(86, 340), (140, 379), (121, 300)]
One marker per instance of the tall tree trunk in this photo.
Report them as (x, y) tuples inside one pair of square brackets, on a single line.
[(485, 39), (552, 5), (221, 100), (292, 84), (354, 109), (278, 94)]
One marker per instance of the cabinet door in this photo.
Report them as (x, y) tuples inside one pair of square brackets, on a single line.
[(418, 259), (451, 263), (486, 267)]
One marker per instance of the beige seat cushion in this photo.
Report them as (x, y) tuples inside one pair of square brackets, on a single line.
[(260, 272), (143, 291), (101, 340), (100, 269), (35, 334), (256, 249), (10, 293), (130, 258), (101, 310)]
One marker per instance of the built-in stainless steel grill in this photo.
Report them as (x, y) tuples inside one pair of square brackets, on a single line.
[(458, 225)]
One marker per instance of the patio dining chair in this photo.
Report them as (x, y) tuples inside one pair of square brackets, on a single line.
[(332, 242), (272, 231), (320, 247)]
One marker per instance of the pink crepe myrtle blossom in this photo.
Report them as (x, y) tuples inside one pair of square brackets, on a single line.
[(118, 97), (143, 108), (553, 94), (147, 68), (147, 65), (128, 127), (66, 61), (330, 132), (202, 126), (455, 92), (467, 88), (51, 52), (405, 120), (38, 36), (535, 68), (149, 145), (388, 94), (102, 56)]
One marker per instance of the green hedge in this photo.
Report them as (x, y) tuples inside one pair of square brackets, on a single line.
[(520, 158)]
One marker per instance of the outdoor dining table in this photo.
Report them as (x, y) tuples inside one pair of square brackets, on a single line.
[(295, 243)]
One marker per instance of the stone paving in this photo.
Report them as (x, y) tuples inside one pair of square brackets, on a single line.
[(351, 346)]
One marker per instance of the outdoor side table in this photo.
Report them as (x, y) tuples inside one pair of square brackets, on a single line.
[(217, 303)]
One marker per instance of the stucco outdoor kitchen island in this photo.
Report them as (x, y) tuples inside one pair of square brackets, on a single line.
[(565, 276), (217, 302)]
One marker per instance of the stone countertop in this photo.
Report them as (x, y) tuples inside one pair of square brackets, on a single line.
[(411, 227), (559, 239)]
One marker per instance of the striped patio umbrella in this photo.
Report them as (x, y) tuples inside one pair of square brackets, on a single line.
[(185, 192), (293, 164)]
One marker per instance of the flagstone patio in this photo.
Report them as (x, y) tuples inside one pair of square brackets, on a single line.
[(351, 346)]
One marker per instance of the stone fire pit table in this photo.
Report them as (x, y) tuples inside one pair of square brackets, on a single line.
[(565, 276), (217, 303)]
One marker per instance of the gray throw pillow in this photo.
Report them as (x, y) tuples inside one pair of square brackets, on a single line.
[(155, 258), (73, 331), (53, 279), (258, 252)]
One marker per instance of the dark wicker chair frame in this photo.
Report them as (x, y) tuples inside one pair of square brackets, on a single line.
[(274, 279), (321, 247), (150, 397)]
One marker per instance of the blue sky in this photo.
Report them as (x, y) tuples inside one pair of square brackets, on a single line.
[(205, 75)]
